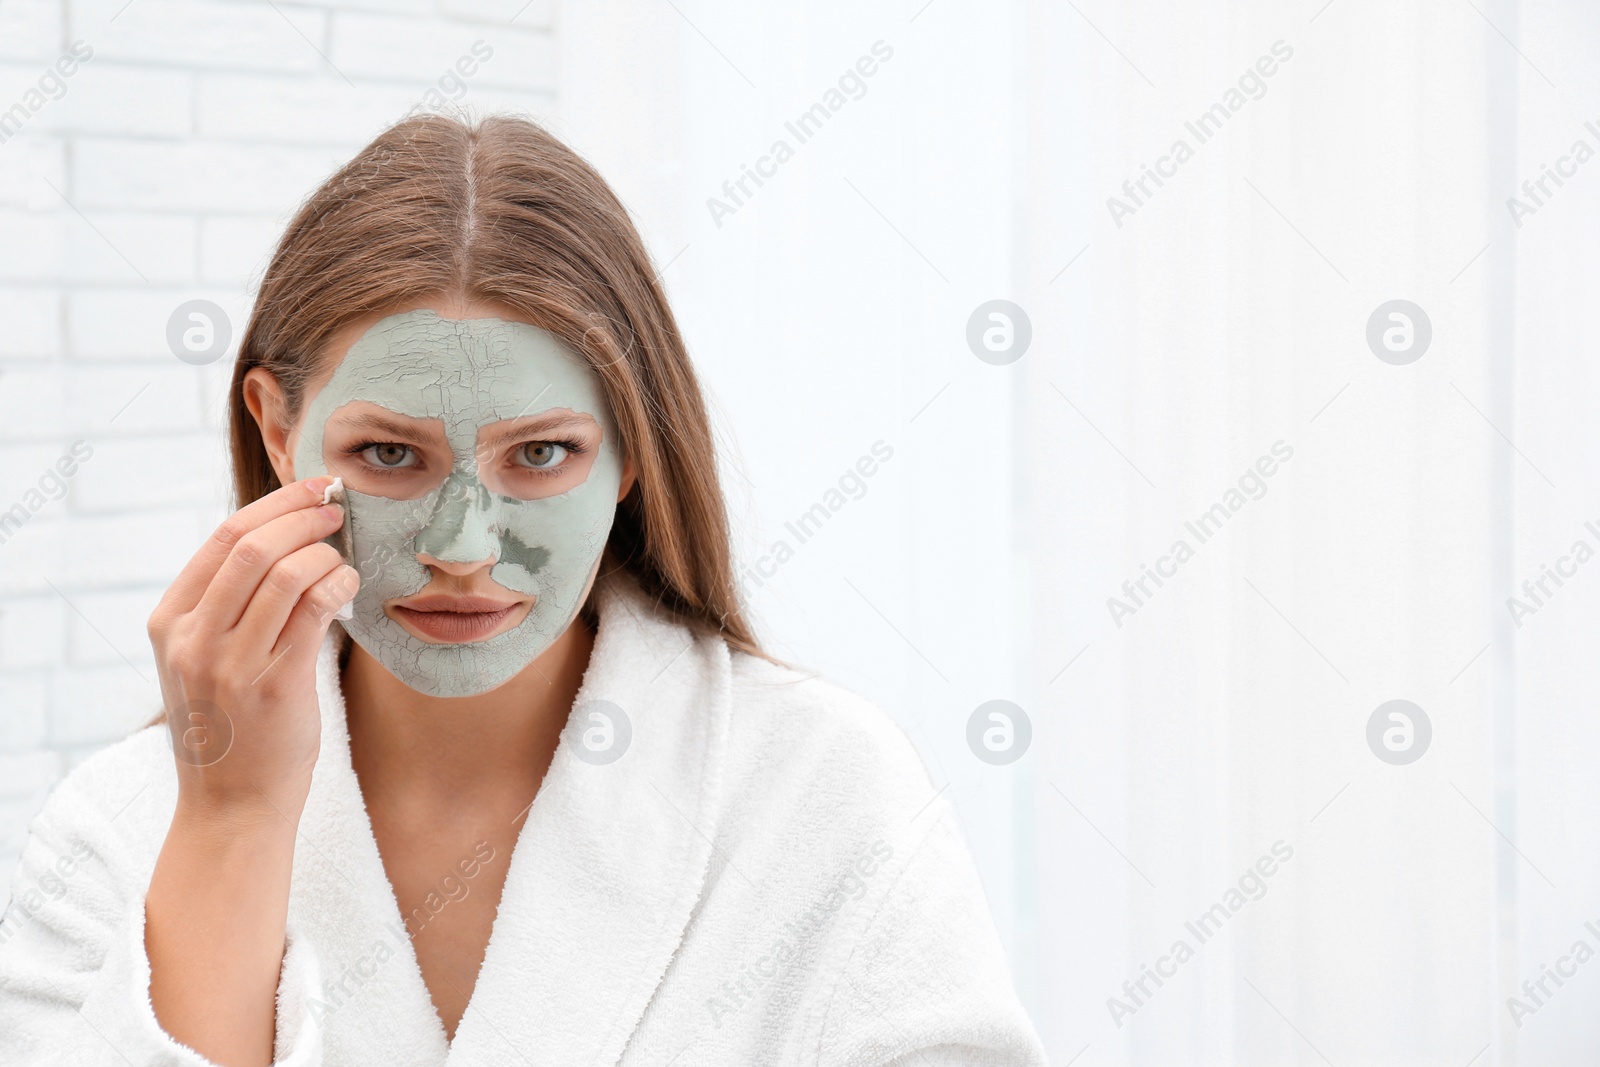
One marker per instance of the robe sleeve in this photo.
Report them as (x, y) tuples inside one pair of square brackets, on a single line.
[(74, 977), (927, 982)]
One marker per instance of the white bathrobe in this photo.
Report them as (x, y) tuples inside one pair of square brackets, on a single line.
[(765, 876)]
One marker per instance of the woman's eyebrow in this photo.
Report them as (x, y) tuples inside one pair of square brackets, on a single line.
[(545, 422), (372, 420)]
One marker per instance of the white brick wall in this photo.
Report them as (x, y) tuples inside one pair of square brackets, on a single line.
[(164, 173)]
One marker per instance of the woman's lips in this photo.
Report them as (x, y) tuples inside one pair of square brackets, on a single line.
[(449, 621)]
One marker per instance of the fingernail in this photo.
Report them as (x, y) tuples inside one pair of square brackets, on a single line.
[(331, 511)]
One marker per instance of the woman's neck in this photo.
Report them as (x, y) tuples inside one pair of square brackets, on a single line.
[(419, 752)]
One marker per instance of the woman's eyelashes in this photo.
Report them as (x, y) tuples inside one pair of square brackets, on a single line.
[(544, 457), (385, 457), (389, 455)]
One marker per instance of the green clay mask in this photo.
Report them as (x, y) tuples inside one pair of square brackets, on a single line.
[(492, 396)]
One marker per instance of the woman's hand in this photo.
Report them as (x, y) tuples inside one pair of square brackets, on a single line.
[(236, 640)]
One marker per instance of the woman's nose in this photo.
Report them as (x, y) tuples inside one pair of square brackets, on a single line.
[(462, 534)]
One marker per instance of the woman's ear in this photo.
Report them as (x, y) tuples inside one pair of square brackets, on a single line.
[(628, 477), (269, 407)]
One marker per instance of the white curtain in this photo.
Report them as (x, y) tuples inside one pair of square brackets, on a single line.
[(1338, 159), (1205, 529)]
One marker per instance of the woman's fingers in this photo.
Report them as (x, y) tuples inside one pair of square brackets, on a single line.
[(314, 612), (192, 582), (281, 589), (251, 569)]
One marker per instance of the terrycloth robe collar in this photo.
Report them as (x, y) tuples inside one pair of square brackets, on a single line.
[(603, 878)]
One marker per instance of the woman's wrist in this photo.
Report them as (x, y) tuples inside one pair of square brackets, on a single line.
[(254, 816)]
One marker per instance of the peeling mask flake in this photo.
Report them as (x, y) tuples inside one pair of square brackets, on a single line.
[(466, 375)]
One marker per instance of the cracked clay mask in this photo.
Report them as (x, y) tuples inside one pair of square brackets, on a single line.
[(474, 383)]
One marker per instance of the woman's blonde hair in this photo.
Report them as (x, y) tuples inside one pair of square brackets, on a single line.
[(500, 210)]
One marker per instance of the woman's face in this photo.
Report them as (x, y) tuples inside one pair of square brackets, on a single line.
[(482, 472)]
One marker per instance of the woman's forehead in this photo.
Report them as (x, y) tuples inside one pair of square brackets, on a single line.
[(466, 372)]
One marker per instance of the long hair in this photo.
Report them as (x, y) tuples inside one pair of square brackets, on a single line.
[(501, 211)]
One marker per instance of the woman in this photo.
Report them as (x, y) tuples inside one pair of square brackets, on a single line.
[(539, 796)]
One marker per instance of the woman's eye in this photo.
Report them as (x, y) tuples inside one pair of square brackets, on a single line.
[(390, 456), (541, 455)]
